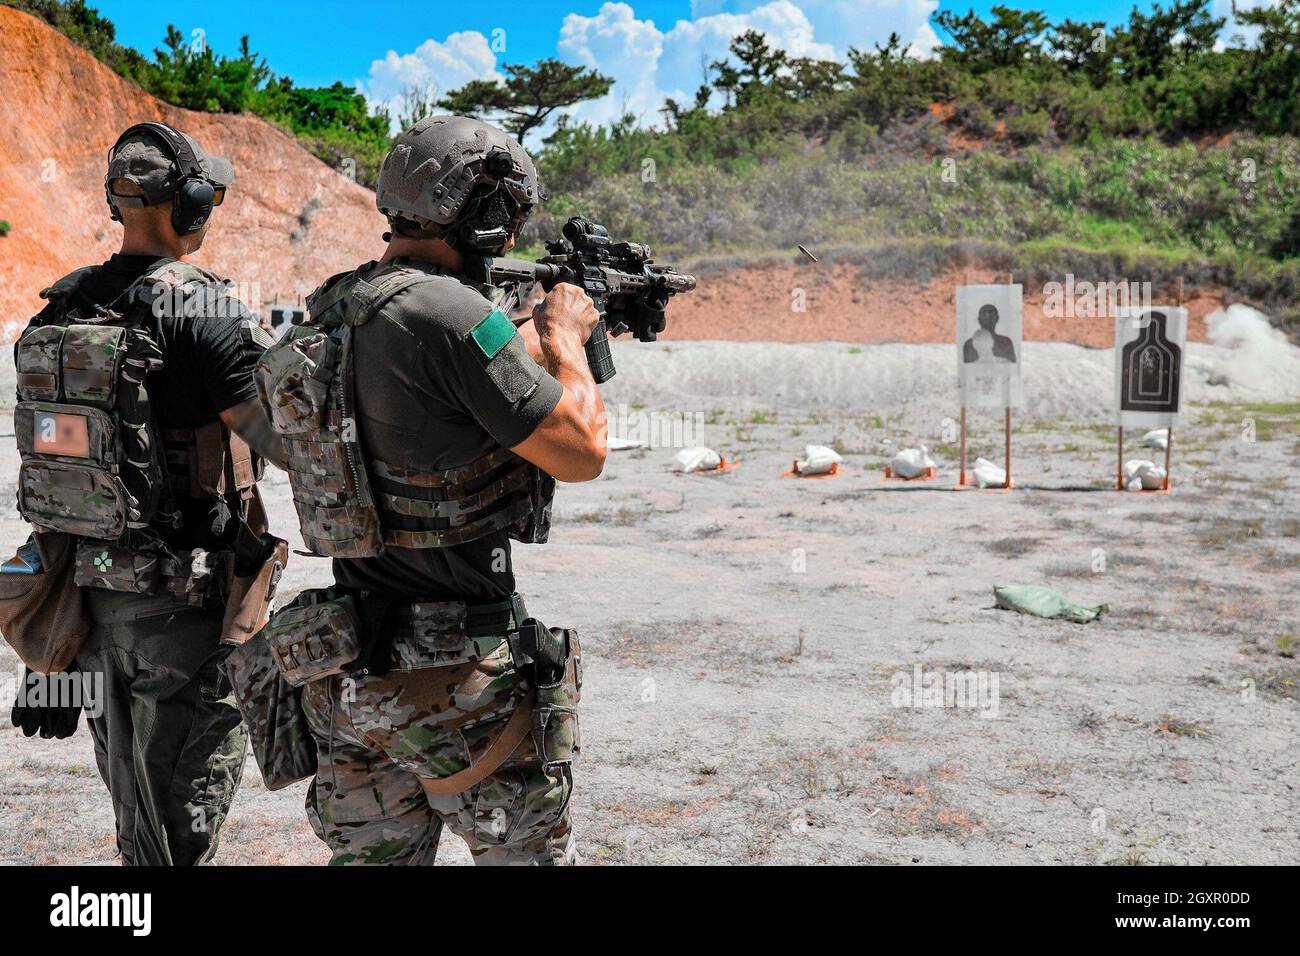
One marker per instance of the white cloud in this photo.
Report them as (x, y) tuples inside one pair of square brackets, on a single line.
[(857, 23), (615, 43), (924, 42), (1232, 28), (441, 66), (649, 64)]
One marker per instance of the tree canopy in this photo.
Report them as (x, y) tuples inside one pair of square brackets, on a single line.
[(529, 95)]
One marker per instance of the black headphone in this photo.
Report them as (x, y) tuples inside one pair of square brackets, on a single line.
[(194, 196)]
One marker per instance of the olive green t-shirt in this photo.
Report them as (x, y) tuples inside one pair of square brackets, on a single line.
[(440, 382)]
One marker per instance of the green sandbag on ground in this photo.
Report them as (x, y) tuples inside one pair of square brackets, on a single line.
[(1044, 602)]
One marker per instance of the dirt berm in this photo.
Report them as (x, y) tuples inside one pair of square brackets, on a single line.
[(289, 222)]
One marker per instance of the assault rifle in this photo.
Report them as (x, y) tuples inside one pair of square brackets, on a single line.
[(629, 291)]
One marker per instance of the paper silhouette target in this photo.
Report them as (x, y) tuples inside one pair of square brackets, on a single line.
[(989, 333), (1149, 348)]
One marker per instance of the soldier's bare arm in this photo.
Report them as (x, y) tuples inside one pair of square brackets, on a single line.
[(570, 442), (532, 341), (248, 420)]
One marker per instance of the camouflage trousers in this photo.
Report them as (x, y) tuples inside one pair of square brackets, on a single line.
[(168, 745), (379, 737)]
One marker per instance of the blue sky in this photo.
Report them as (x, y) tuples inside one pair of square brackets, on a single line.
[(652, 48), (317, 43)]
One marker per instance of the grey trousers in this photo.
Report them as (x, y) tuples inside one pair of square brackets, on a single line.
[(168, 745)]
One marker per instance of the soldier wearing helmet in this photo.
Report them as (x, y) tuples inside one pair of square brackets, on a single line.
[(456, 179), (458, 425)]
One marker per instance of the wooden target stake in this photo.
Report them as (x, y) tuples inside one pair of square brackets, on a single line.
[(1007, 436), (1169, 447), (962, 479), (1119, 473), (1169, 435), (1008, 441)]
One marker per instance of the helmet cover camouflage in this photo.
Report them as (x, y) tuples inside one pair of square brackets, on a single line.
[(436, 167)]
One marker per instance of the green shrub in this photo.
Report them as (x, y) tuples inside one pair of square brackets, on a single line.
[(1028, 128)]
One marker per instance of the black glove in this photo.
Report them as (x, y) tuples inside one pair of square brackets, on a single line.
[(52, 720)]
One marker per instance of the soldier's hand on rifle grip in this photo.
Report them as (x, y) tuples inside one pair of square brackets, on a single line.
[(567, 311), (570, 444)]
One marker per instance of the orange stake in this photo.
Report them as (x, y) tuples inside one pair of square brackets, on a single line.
[(1119, 474), (962, 479)]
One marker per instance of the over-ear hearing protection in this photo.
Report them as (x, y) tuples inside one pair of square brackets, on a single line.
[(194, 196)]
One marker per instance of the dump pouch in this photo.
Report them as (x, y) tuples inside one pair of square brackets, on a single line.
[(314, 637), (272, 710), (43, 616)]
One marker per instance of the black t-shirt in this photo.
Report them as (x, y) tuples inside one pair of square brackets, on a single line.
[(209, 356), (208, 367), (429, 397)]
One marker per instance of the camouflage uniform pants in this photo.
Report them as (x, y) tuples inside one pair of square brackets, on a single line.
[(378, 737), (169, 748)]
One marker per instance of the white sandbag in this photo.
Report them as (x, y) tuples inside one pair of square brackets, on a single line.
[(989, 475), (614, 443), (1143, 475), (696, 459), (817, 460), (1156, 438), (911, 462)]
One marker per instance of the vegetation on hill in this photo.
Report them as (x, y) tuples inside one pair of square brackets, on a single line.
[(1043, 140), (1150, 140), (334, 121)]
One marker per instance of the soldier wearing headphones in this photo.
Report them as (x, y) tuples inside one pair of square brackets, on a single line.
[(154, 352)]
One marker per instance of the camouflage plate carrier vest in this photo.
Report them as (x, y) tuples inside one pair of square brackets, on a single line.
[(94, 462), (353, 507)]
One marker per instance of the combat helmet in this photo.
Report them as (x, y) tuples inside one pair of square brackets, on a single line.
[(458, 179)]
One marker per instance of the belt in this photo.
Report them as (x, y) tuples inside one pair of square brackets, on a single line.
[(461, 618), (439, 633), (197, 578)]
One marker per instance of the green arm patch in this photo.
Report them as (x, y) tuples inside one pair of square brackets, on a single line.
[(493, 333)]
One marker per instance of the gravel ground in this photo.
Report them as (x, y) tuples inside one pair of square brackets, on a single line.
[(743, 631)]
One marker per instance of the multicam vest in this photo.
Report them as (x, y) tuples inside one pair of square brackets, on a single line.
[(95, 464), (352, 506)]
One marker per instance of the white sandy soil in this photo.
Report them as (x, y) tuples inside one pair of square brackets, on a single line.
[(741, 630)]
